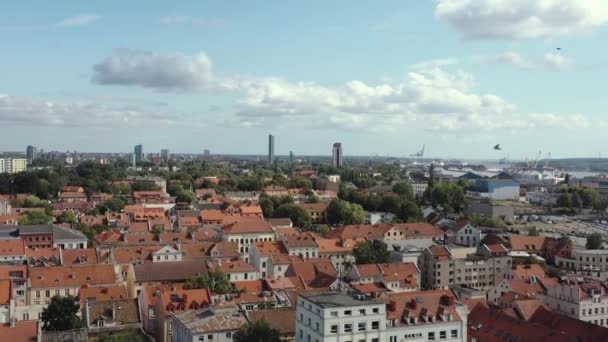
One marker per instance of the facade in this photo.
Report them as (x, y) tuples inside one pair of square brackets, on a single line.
[(442, 267), (497, 189), (378, 217), (467, 235), (165, 155), (406, 316), (270, 149), (12, 165), (592, 263), (335, 316), (138, 153), (317, 211), (419, 188), (485, 207), (336, 155), (581, 298)]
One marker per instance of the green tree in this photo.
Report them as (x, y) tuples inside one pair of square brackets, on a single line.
[(577, 203), (68, 216), (532, 231), (267, 206), (342, 212), (216, 281), (371, 252), (61, 314), (33, 202), (258, 331), (34, 217), (185, 196), (299, 182), (296, 214), (594, 241), (564, 200), (404, 189), (114, 204)]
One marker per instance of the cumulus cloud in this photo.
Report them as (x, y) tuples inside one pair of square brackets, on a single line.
[(36, 112), (521, 19), (79, 20), (159, 71), (549, 61)]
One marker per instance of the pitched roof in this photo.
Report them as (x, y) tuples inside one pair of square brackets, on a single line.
[(212, 319), (248, 225), (102, 292), (321, 206), (79, 256), (169, 271), (299, 241), (524, 242), (24, 331), (526, 308), (420, 303), (72, 275), (12, 247), (577, 329), (120, 311), (237, 266)]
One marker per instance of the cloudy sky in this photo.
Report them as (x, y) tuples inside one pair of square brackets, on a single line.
[(383, 77)]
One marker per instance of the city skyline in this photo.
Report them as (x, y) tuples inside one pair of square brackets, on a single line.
[(387, 92)]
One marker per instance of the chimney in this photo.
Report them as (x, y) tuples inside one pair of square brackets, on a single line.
[(392, 305)]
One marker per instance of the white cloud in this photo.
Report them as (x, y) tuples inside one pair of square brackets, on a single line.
[(79, 20), (39, 112), (158, 71), (549, 61), (521, 19)]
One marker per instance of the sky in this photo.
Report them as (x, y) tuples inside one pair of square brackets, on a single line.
[(383, 78)]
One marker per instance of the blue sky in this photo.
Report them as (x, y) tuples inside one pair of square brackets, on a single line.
[(382, 78)]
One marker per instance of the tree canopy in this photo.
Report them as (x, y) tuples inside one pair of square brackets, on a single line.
[(343, 212), (298, 216), (258, 331), (61, 314), (34, 217), (594, 241), (371, 252), (216, 281)]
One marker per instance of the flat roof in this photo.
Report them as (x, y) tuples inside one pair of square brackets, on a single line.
[(339, 299)]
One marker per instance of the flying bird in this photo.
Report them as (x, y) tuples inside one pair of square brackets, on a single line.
[(558, 49), (497, 147)]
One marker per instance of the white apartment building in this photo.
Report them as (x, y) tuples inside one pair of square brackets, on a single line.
[(419, 188), (582, 298), (12, 165), (467, 235), (406, 316), (336, 316), (301, 245), (587, 262), (167, 254)]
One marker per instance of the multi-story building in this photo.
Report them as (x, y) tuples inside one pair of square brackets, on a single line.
[(317, 211), (31, 154), (582, 298), (139, 153), (481, 267), (165, 155), (270, 149), (336, 316), (587, 262), (419, 188), (12, 165), (407, 316), (497, 189), (397, 277), (303, 246), (336, 155), (246, 232)]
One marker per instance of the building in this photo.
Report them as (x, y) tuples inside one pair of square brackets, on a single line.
[(374, 278), (31, 154), (481, 267), (497, 189), (246, 232), (165, 156), (378, 217), (336, 156), (407, 316), (336, 316), (317, 211), (270, 149), (12, 165), (419, 188), (588, 262), (139, 153), (213, 324), (486, 207), (105, 316), (582, 298)]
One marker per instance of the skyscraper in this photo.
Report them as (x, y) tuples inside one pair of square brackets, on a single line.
[(31, 153), (336, 155), (291, 156), (270, 149), (164, 155), (139, 153)]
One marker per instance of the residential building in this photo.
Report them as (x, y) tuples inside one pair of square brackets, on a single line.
[(336, 316), (486, 207), (317, 211), (303, 245), (464, 233), (12, 165), (114, 315), (139, 153), (214, 324), (480, 267), (46, 282), (12, 251), (378, 217), (283, 320), (5, 207), (376, 278), (587, 262), (582, 298), (237, 270), (337, 156), (246, 232), (165, 155), (270, 149), (419, 188)]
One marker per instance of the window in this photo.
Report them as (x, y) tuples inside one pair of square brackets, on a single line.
[(431, 336), (201, 339), (361, 326), (362, 311), (376, 310), (392, 339), (375, 325), (100, 323), (333, 329), (443, 334), (57, 293), (348, 327), (37, 294), (47, 293), (348, 312), (454, 333), (210, 337), (67, 292), (375, 339), (264, 264), (334, 314)]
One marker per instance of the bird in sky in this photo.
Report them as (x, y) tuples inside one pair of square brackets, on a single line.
[(558, 49), (497, 147)]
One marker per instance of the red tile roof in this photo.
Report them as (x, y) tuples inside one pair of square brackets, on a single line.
[(72, 276), (419, 304), (249, 225), (12, 247), (79, 256), (24, 331), (102, 292), (578, 330), (527, 243)]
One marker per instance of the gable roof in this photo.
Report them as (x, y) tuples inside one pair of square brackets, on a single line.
[(169, 271), (72, 276), (248, 225)]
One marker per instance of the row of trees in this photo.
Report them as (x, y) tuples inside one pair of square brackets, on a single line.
[(401, 202)]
